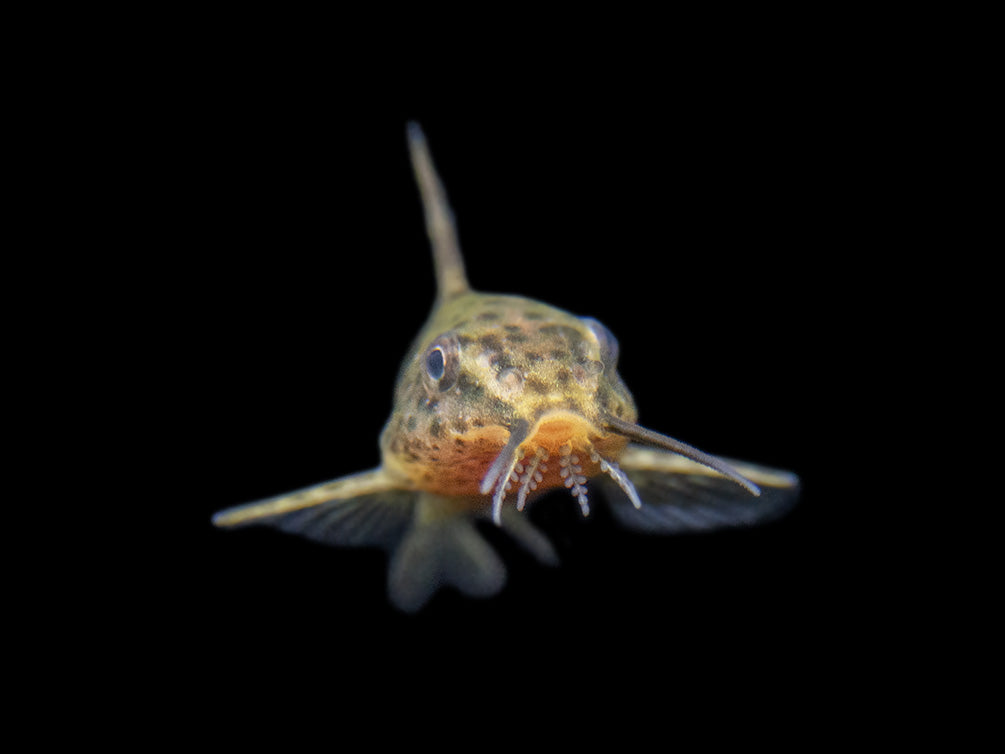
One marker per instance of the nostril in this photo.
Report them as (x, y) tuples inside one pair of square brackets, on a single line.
[(587, 369)]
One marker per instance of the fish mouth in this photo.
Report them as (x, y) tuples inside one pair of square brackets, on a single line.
[(581, 448), (584, 449)]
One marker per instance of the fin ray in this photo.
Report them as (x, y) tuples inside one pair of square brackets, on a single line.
[(681, 495), (527, 535), (440, 225), (369, 508), (444, 552)]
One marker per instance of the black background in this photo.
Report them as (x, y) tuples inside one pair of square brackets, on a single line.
[(705, 223)]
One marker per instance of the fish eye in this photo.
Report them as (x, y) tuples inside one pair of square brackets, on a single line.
[(435, 364), (442, 362), (608, 343)]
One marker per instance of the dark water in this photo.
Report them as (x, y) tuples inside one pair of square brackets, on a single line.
[(310, 274)]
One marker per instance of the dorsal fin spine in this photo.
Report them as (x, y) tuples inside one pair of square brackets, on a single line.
[(451, 280)]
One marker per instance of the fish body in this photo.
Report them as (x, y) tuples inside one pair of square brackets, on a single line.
[(499, 400)]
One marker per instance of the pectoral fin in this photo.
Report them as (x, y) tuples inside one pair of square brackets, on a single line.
[(369, 508), (680, 495), (432, 540)]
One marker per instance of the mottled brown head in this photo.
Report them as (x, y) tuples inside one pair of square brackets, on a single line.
[(485, 364)]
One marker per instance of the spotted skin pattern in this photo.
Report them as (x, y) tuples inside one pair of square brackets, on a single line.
[(517, 358)]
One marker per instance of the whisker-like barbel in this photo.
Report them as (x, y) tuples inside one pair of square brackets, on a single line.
[(498, 474), (614, 471), (531, 477), (655, 439)]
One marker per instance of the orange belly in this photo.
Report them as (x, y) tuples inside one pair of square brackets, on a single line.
[(456, 464)]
